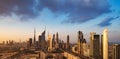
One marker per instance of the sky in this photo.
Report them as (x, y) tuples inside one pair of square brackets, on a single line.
[(18, 18)]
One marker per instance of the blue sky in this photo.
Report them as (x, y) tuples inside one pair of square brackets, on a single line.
[(19, 17)]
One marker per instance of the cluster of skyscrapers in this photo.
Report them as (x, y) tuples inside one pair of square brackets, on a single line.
[(54, 48)]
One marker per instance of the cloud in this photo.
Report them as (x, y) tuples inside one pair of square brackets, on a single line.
[(107, 21), (78, 11), (22, 8)]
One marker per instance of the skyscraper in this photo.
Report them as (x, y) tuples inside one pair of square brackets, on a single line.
[(116, 51), (105, 44), (84, 47), (39, 41), (57, 41), (101, 46), (50, 43), (94, 45), (80, 38), (53, 40), (43, 41), (67, 44), (57, 37), (30, 42), (34, 35)]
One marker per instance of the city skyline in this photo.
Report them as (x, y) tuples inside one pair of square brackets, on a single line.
[(59, 29), (52, 46), (18, 18)]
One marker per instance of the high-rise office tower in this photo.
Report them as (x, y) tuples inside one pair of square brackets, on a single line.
[(43, 41), (7, 42), (67, 44), (101, 46), (48, 40), (105, 44), (63, 45), (84, 47), (94, 46), (116, 51), (53, 40), (30, 42), (57, 41), (57, 37), (80, 38), (50, 48), (34, 36), (39, 41), (60, 44)]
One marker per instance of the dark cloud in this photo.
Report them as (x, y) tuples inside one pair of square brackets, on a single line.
[(22, 8), (107, 21), (78, 11)]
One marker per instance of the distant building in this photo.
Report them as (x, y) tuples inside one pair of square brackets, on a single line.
[(81, 43), (57, 40), (80, 38), (57, 37), (105, 44), (34, 42), (63, 45), (51, 46), (30, 42), (39, 41), (42, 41), (116, 51), (68, 43), (94, 46), (101, 46), (50, 43), (85, 51), (7, 42), (53, 40)]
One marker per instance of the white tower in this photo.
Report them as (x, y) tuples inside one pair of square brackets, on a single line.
[(50, 43), (105, 44)]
